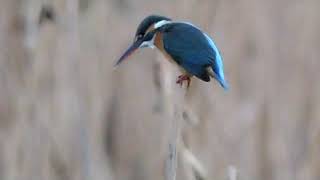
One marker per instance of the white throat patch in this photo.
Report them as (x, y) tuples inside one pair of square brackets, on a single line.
[(149, 44), (161, 23)]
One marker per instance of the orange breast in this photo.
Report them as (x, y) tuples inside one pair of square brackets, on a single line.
[(158, 42)]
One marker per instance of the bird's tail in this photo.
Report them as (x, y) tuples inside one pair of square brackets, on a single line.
[(219, 76)]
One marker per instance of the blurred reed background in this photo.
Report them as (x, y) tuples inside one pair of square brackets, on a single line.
[(65, 113)]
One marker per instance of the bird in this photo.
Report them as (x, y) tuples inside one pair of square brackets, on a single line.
[(183, 44)]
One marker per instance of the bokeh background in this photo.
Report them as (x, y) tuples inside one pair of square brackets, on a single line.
[(65, 113)]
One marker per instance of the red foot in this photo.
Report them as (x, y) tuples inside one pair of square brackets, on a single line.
[(182, 78)]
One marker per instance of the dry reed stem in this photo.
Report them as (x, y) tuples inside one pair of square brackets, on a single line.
[(188, 158), (173, 103), (177, 112)]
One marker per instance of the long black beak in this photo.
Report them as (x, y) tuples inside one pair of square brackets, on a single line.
[(129, 51)]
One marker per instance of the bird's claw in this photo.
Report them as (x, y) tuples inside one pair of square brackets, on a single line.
[(182, 78)]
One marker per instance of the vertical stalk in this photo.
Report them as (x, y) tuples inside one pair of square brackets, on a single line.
[(173, 102)]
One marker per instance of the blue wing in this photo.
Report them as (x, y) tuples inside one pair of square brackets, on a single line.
[(193, 50), (189, 48), (217, 67)]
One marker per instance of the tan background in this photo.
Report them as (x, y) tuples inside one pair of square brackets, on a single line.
[(65, 113)]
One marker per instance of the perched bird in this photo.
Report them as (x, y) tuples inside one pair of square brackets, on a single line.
[(182, 43)]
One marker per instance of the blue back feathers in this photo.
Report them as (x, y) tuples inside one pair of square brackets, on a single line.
[(217, 67), (194, 51)]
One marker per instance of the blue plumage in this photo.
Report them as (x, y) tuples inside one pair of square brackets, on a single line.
[(194, 51), (185, 43), (217, 66)]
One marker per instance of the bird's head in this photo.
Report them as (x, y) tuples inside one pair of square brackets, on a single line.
[(145, 34)]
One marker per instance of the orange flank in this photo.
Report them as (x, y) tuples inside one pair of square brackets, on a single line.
[(158, 42)]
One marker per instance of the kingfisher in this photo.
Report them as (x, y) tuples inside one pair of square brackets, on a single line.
[(183, 44)]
